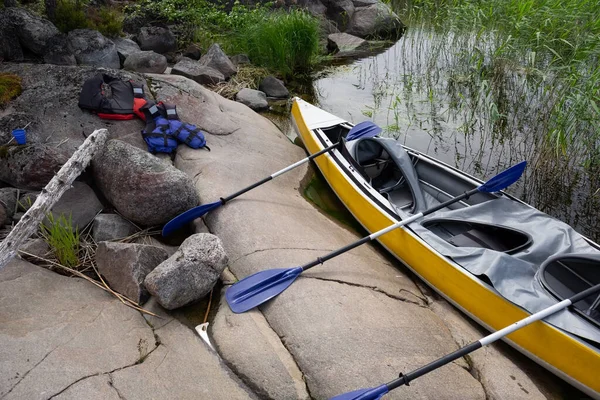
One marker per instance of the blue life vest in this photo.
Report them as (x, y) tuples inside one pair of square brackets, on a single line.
[(164, 131)]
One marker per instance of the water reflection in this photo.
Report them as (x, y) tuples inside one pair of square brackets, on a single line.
[(449, 96)]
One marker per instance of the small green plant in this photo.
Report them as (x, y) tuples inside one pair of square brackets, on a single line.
[(10, 87), (62, 239), (70, 15)]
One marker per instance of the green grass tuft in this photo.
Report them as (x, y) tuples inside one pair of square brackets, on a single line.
[(62, 239), (285, 42)]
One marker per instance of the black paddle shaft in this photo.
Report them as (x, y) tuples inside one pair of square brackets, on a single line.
[(405, 379), (268, 178)]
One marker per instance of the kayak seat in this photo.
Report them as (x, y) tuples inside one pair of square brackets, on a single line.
[(388, 168)]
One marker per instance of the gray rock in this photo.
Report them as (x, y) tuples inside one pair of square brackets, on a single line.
[(79, 204), (33, 32), (157, 39), (97, 387), (38, 247), (51, 327), (344, 43), (200, 73), (125, 265), (183, 367), (141, 187), (8, 198), (29, 166), (255, 99), (344, 316), (273, 87), (111, 227), (125, 48), (252, 348), (193, 51), (92, 48), (375, 21), (190, 273), (146, 61), (57, 51), (240, 59), (215, 58)]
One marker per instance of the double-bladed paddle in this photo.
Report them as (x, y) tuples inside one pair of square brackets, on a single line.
[(264, 285), (379, 391), (365, 129)]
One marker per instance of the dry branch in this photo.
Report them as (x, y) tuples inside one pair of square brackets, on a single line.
[(53, 191)]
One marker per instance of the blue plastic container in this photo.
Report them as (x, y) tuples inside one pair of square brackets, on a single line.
[(19, 135)]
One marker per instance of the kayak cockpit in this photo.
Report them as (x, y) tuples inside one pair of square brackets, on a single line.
[(472, 234), (566, 275)]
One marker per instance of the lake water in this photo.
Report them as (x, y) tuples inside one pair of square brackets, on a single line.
[(442, 94)]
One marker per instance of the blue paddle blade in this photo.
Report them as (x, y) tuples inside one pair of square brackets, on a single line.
[(504, 179), (363, 129), (364, 394), (188, 216), (258, 288)]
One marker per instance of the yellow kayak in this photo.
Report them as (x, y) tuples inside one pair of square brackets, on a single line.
[(382, 182)]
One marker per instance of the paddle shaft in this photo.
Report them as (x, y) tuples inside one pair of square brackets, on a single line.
[(276, 174), (405, 379), (321, 260)]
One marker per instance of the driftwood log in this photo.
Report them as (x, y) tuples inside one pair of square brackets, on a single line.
[(53, 191)]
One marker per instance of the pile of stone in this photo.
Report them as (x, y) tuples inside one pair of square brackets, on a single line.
[(145, 191)]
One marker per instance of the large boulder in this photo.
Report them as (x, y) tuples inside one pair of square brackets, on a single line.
[(202, 74), (111, 227), (57, 51), (146, 61), (92, 48), (33, 32), (125, 265), (125, 48), (255, 99), (140, 186), (157, 39), (273, 87), (79, 204), (190, 273), (375, 21), (29, 166), (215, 58)]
